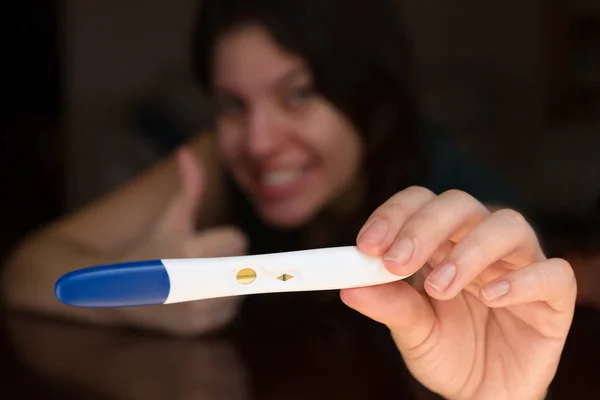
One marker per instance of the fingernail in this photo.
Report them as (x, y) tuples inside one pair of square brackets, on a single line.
[(442, 277), (375, 232), (495, 290), (401, 251)]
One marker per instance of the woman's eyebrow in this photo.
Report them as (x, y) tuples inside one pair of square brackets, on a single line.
[(284, 80), (291, 75)]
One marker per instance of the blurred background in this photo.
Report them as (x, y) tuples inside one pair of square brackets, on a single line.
[(91, 99)]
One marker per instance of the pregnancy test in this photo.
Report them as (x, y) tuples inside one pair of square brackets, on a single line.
[(168, 281)]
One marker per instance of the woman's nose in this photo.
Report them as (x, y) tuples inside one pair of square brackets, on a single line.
[(265, 132)]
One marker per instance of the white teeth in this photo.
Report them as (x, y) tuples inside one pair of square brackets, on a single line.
[(281, 177)]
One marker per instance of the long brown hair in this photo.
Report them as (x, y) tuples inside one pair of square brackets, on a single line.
[(362, 63)]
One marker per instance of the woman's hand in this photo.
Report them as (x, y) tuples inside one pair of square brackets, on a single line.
[(155, 216), (487, 315), (174, 236)]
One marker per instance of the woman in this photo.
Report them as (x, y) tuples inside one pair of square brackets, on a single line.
[(317, 142)]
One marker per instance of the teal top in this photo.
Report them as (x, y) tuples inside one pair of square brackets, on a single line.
[(454, 167)]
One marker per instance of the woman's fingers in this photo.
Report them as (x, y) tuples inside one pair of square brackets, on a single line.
[(181, 211), (222, 241), (448, 217), (551, 281), (505, 235), (381, 229), (409, 228)]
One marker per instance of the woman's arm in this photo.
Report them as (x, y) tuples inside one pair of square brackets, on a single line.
[(124, 215), (104, 232)]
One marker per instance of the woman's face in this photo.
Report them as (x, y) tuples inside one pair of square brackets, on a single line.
[(290, 150)]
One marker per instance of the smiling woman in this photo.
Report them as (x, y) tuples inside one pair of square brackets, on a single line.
[(318, 137), (304, 101), (286, 147)]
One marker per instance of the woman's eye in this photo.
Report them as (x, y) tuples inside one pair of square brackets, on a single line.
[(299, 97)]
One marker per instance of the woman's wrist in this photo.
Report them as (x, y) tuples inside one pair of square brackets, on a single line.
[(544, 396)]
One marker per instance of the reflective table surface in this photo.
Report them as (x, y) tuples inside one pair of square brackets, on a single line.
[(280, 347)]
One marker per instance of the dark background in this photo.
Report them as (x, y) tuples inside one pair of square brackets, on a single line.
[(95, 91), (32, 138), (91, 99)]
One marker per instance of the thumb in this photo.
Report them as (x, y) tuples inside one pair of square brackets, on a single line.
[(217, 242), (181, 211), (405, 311)]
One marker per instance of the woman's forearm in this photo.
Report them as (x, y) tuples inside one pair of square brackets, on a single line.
[(105, 231), (29, 276)]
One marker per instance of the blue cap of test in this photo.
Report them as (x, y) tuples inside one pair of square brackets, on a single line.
[(137, 283)]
